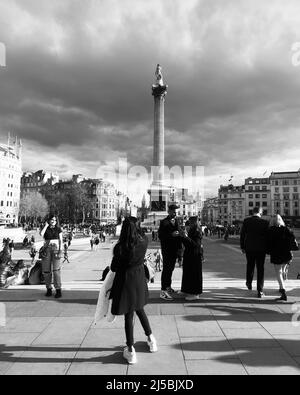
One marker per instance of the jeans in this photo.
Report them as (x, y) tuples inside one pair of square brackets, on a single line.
[(169, 261), (256, 259), (129, 325), (52, 263)]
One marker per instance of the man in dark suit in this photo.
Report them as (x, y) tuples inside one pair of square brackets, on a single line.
[(168, 234), (253, 241)]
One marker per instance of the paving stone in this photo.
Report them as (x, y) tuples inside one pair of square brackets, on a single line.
[(17, 340), (281, 328), (297, 359), (280, 317), (152, 309), (268, 361), (26, 324), (44, 361), (79, 311), (229, 367), (12, 346), (197, 309), (290, 343), (112, 365), (104, 338), (246, 338), (118, 323), (262, 308), (172, 308), (167, 361), (65, 330), (164, 328), (207, 348), (193, 326), (25, 309), (238, 321)]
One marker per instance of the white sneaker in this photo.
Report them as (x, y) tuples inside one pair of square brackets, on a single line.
[(152, 344), (192, 297), (130, 356), (165, 295)]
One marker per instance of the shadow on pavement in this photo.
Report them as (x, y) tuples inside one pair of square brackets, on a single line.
[(261, 353), (115, 356)]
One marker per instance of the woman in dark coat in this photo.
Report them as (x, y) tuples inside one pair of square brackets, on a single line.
[(192, 281), (129, 292), (279, 248)]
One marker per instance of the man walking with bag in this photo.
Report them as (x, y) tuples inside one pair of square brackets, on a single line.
[(253, 242)]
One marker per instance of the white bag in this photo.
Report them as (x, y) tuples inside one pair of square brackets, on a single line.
[(103, 308)]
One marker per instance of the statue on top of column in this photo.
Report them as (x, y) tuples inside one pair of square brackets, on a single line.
[(158, 75)]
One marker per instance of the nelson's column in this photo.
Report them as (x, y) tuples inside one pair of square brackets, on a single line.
[(159, 193)]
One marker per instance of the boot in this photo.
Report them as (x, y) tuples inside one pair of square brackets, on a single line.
[(49, 292), (58, 294), (283, 296)]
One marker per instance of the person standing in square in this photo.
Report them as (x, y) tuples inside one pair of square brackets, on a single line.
[(253, 242), (170, 240)]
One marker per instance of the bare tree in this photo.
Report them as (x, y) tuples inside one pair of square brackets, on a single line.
[(33, 206)]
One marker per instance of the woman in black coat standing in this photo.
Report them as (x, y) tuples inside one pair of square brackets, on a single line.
[(192, 279), (279, 248), (129, 292)]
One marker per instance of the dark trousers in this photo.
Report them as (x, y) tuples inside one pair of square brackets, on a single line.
[(169, 261), (256, 259), (129, 325)]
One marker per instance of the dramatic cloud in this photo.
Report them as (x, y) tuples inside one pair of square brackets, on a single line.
[(77, 84)]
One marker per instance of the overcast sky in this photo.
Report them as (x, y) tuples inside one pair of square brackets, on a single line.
[(77, 84)]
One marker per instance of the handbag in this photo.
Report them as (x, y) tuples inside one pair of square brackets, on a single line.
[(42, 252), (104, 303)]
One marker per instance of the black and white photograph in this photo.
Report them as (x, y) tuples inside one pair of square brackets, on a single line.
[(149, 190)]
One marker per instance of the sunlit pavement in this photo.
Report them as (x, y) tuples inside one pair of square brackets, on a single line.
[(228, 331)]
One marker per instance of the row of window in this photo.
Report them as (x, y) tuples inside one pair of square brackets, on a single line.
[(225, 196), (257, 188), (286, 182), (286, 196), (105, 214), (257, 196), (225, 202), (260, 181), (8, 204), (257, 204), (225, 211), (286, 204), (105, 206), (286, 189)]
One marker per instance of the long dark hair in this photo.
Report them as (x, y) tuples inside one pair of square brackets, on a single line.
[(129, 236), (50, 216), (195, 227)]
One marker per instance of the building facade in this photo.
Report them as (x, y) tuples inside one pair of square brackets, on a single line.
[(39, 181), (258, 194), (104, 199), (10, 180), (210, 211), (231, 204), (285, 192)]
